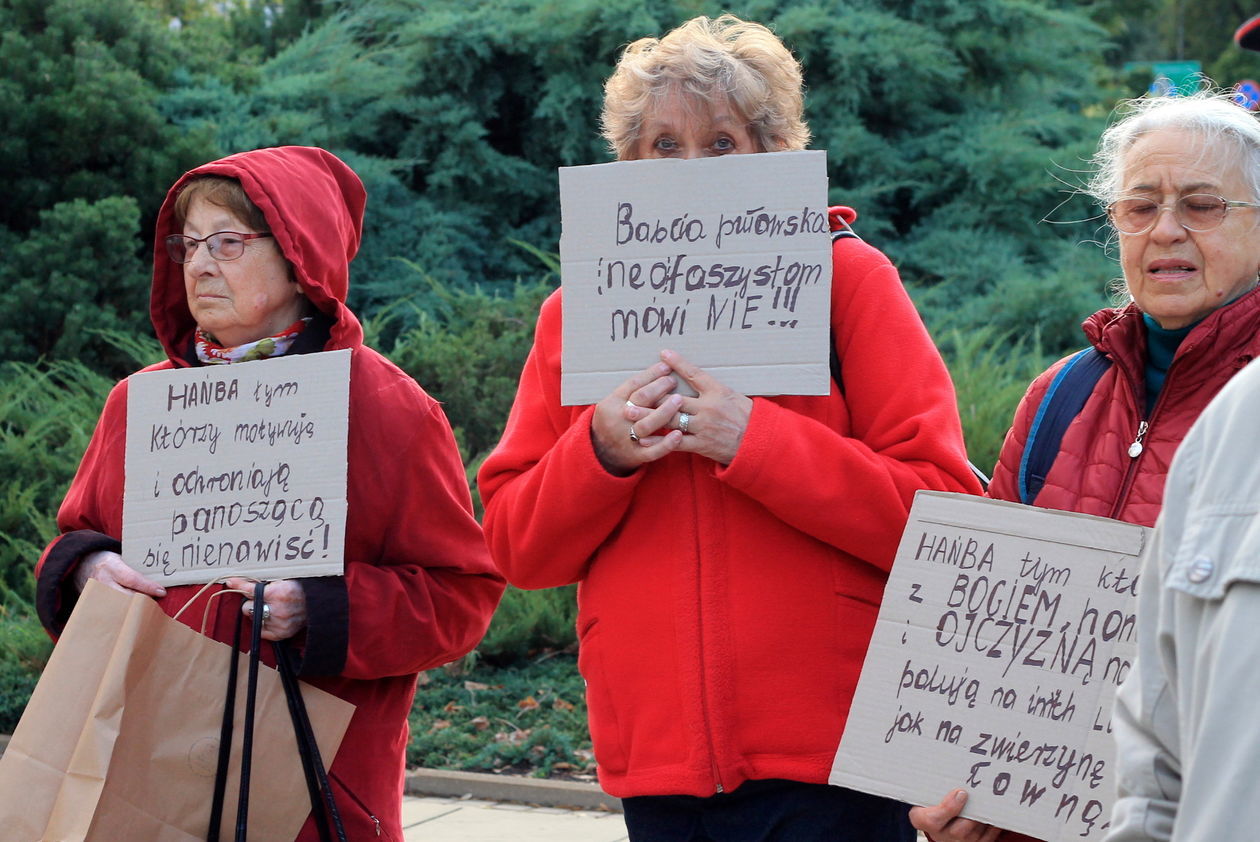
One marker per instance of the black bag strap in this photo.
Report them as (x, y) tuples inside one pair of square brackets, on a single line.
[(1063, 401), (251, 696), (225, 741), (308, 749)]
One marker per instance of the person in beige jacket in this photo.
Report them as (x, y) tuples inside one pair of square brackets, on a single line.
[(1187, 743)]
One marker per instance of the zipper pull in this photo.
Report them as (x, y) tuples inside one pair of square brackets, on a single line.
[(1135, 449)]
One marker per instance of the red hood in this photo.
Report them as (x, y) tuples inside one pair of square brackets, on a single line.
[(314, 205)]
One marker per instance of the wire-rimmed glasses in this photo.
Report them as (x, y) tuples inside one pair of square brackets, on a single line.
[(223, 245), (1195, 212)]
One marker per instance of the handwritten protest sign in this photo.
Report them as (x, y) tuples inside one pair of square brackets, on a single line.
[(726, 260), (1003, 633), (237, 469)]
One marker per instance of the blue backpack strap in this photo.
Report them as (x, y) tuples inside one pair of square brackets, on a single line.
[(1063, 401)]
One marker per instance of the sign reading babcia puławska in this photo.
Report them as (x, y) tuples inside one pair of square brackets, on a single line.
[(238, 469), (726, 260)]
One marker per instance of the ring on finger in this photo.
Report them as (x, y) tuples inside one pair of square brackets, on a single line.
[(634, 437), (632, 404), (684, 422), (248, 609)]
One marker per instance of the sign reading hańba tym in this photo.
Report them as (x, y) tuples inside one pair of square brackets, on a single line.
[(1003, 633), (726, 260), (238, 469)]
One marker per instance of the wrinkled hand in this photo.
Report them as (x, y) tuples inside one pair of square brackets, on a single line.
[(943, 824), (719, 414), (287, 601), (109, 569), (615, 417)]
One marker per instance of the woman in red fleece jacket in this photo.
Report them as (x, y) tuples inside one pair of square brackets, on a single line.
[(731, 552), (251, 261)]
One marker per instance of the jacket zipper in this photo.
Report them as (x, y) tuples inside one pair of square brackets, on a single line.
[(1137, 447), (356, 800), (1135, 452), (704, 693)]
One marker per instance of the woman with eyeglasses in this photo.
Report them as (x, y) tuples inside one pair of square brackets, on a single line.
[(1179, 178), (251, 263)]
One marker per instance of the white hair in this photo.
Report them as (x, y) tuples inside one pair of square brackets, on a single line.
[(1211, 114)]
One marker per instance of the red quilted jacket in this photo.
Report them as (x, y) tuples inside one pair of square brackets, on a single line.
[(1093, 472)]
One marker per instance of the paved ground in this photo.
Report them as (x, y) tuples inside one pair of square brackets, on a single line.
[(429, 819)]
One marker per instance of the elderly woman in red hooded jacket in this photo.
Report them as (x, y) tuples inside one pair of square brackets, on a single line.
[(252, 261)]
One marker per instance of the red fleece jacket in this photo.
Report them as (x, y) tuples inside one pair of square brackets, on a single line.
[(419, 587), (724, 612)]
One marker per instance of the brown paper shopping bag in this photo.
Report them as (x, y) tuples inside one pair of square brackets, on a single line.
[(120, 738)]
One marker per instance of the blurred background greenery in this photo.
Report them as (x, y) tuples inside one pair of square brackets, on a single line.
[(959, 129)]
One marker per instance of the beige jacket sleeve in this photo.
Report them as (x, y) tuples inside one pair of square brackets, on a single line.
[(1188, 745)]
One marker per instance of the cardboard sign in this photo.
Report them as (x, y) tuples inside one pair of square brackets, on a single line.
[(726, 260), (1002, 636), (238, 469)]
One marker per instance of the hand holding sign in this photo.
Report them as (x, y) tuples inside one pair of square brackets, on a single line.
[(727, 259), (619, 445), (718, 414), (108, 568), (943, 824)]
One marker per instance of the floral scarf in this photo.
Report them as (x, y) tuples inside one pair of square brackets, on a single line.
[(209, 351)]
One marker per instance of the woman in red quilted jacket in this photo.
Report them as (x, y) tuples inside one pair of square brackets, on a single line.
[(1179, 178)]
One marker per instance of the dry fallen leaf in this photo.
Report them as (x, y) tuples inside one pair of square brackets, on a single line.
[(528, 703), (561, 704), (481, 723), (439, 724)]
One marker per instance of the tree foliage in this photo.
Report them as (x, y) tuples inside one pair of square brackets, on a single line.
[(956, 128)]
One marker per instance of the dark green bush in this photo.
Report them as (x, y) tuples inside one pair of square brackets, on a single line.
[(529, 622), (467, 351), (526, 718), (24, 651), (47, 415)]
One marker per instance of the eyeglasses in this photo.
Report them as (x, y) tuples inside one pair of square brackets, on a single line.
[(1196, 212), (223, 245)]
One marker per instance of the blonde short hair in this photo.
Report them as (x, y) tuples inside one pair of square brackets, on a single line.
[(709, 58)]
